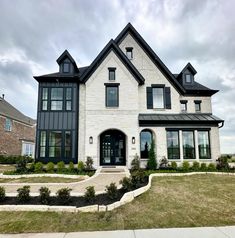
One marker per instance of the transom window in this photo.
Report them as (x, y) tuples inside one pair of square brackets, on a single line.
[(111, 74), (173, 146), (112, 96), (129, 53), (146, 139), (188, 78), (8, 124), (204, 145), (188, 144), (158, 97)]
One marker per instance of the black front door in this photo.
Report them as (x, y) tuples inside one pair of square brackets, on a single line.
[(112, 148)]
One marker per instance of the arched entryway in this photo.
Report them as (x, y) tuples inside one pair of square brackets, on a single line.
[(112, 148)]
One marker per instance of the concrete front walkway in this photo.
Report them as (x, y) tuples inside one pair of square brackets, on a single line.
[(102, 178), (200, 232)]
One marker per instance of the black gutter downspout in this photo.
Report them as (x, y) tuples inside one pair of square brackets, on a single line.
[(221, 124)]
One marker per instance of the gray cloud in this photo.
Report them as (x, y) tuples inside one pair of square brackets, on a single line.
[(35, 33)]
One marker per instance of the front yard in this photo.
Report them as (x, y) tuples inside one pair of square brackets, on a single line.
[(188, 201)]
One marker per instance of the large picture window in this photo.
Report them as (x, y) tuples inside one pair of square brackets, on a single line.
[(173, 147), (146, 138), (158, 97), (188, 144), (204, 145), (55, 144)]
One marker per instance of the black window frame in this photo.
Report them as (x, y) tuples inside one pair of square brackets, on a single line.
[(209, 144), (45, 100), (63, 67), (197, 102), (113, 85), (112, 70), (68, 100), (194, 149), (191, 79), (57, 100), (184, 102), (129, 50), (170, 148), (141, 152), (44, 146), (162, 86)]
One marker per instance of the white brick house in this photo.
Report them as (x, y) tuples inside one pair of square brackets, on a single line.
[(113, 109)]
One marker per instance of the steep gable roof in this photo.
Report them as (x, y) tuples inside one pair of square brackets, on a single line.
[(64, 55), (112, 46)]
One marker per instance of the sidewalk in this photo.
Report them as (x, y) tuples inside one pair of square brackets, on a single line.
[(201, 232)]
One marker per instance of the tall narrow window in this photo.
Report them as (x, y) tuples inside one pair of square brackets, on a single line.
[(42, 150), (188, 78), (129, 52), (67, 144), (146, 138), (111, 96), (188, 144), (112, 74), (68, 101), (173, 147), (158, 97), (204, 145), (66, 67), (44, 99), (197, 105), (55, 143), (183, 105), (56, 99), (8, 124)]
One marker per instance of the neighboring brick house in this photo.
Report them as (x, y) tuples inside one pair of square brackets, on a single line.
[(114, 108), (17, 131)]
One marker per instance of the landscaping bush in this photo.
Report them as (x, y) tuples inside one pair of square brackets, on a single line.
[(63, 195), (71, 166), (185, 166), (211, 167), (195, 166), (2, 194), (38, 167), (163, 163), (60, 167), (31, 167), (126, 184), (112, 191), (152, 163), (203, 167), (89, 194), (222, 162), (174, 165), (50, 168), (44, 195), (21, 163), (14, 159), (81, 166), (135, 163), (138, 177), (23, 194), (89, 163)]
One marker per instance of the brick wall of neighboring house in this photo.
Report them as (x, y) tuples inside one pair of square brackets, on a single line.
[(11, 141)]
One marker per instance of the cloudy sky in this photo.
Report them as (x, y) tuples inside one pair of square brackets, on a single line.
[(34, 33)]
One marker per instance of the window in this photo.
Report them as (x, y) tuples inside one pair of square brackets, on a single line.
[(173, 147), (112, 74), (197, 106), (66, 67), (188, 78), (129, 53), (183, 106), (68, 101), (56, 99), (188, 144), (67, 144), (44, 99), (158, 97), (55, 143), (111, 96), (146, 138), (204, 145), (27, 149), (8, 124), (42, 146)]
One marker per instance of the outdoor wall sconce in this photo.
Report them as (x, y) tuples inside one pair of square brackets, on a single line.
[(91, 140), (133, 140)]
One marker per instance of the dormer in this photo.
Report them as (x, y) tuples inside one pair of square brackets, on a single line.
[(186, 76), (67, 64)]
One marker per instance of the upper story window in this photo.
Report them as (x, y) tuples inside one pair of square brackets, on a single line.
[(45, 99), (8, 124), (183, 105), (68, 99), (129, 52), (158, 97), (112, 74), (197, 105), (112, 97), (56, 99), (188, 78), (66, 67)]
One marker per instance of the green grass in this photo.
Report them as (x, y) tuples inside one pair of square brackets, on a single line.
[(41, 180), (4, 168), (189, 201)]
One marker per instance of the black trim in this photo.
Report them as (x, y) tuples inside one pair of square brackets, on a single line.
[(112, 70), (194, 148), (107, 85), (175, 130), (149, 97), (158, 85), (183, 101), (209, 141), (111, 84)]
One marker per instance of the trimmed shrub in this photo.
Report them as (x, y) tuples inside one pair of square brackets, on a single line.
[(203, 166), (211, 167), (126, 184), (50, 167), (185, 166), (89, 194), (81, 166), (60, 167), (23, 194), (14, 159), (38, 167), (21, 163), (195, 166), (222, 162), (44, 195), (31, 167), (63, 195), (152, 163), (2, 194), (138, 177), (89, 163), (174, 165), (135, 163), (71, 166), (163, 163), (112, 191)]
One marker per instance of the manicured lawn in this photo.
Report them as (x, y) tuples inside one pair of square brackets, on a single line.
[(41, 180), (7, 167), (198, 200)]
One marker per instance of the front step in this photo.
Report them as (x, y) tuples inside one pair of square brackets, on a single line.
[(113, 169)]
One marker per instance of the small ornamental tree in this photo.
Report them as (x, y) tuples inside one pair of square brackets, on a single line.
[(152, 163)]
